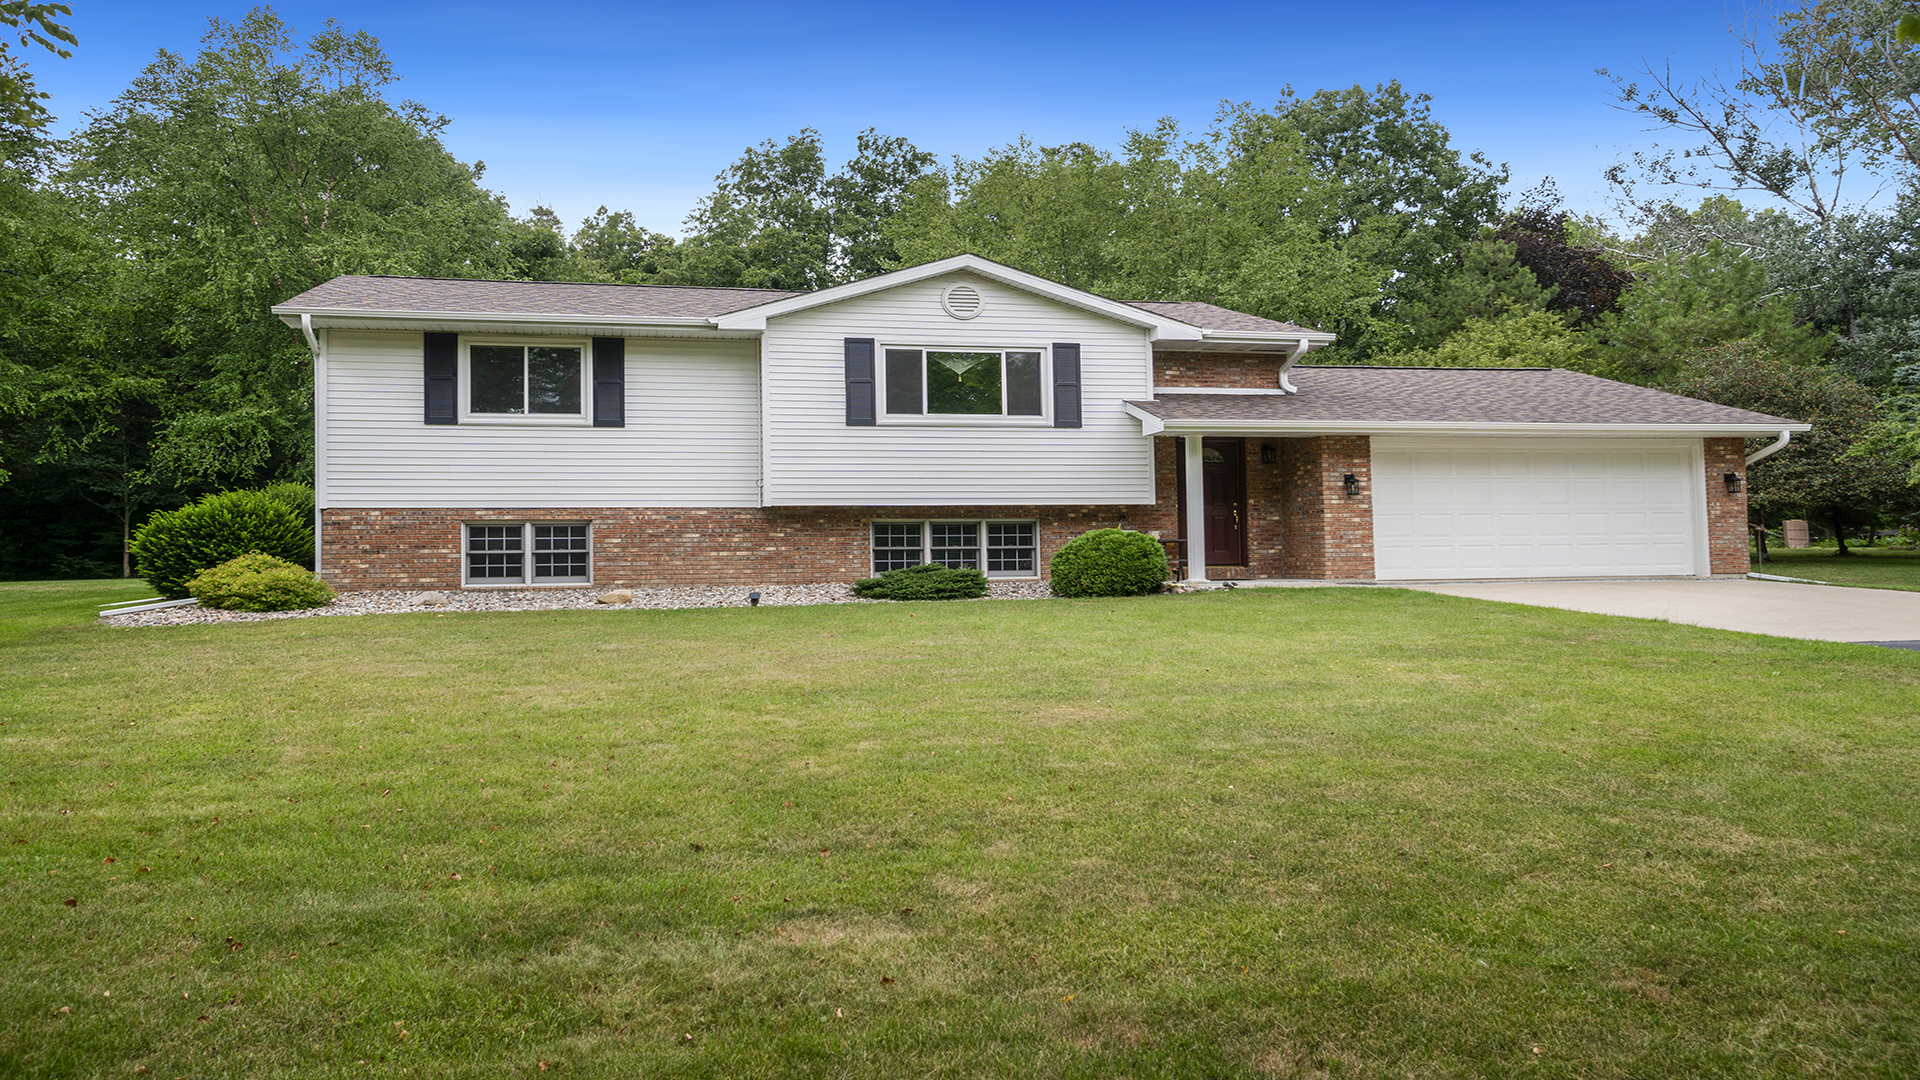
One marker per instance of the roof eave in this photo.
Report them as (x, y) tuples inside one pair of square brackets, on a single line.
[(291, 316), (1275, 337)]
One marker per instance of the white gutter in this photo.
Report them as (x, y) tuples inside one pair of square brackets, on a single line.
[(1300, 350), (286, 313), (1779, 444), (1153, 425)]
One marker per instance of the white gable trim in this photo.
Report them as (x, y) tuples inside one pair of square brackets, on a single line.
[(1159, 327)]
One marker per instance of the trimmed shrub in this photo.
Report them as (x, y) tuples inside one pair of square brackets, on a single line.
[(1109, 562), (297, 497), (256, 582), (175, 545), (928, 581)]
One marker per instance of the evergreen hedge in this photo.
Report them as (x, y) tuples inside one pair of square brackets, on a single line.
[(928, 581)]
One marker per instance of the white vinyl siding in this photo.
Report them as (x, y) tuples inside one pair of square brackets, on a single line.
[(1514, 508), (692, 436), (813, 458)]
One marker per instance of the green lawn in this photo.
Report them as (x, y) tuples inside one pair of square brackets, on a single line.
[(1313, 832), (1870, 567)]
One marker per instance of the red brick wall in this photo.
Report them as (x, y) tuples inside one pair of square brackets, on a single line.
[(1244, 370), (1726, 514), (1265, 526), (1331, 532), (421, 549)]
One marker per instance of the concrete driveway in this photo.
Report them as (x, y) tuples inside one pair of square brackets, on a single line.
[(1783, 609)]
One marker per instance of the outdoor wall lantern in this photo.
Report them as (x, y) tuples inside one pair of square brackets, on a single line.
[(1269, 454), (1733, 483), (1353, 484)]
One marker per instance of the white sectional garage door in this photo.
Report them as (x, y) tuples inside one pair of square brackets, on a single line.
[(1496, 508)]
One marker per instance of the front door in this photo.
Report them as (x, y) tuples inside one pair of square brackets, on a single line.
[(1224, 471)]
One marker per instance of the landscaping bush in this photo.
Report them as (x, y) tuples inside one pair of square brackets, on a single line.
[(256, 582), (297, 497), (928, 581), (175, 545), (1109, 562)]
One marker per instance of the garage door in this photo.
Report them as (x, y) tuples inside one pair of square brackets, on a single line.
[(1467, 509)]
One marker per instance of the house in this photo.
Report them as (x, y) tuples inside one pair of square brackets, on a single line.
[(488, 433)]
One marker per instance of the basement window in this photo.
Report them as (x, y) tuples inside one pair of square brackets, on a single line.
[(528, 553), (1003, 549)]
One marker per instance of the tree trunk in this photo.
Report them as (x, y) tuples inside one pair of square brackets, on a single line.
[(1763, 540), (126, 540), (1839, 536)]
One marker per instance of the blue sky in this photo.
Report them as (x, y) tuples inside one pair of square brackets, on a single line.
[(640, 105)]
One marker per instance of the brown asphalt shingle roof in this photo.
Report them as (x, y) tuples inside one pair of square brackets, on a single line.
[(1465, 395), (1212, 317), (360, 292), (380, 293)]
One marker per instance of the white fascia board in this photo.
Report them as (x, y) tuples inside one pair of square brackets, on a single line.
[(324, 317), (1160, 327), (1450, 427)]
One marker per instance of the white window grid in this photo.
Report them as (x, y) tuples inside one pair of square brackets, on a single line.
[(527, 553), (999, 548)]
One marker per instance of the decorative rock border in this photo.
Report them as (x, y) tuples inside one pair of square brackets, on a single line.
[(686, 596)]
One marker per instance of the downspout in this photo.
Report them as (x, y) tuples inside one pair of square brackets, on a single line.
[(1770, 449), (1300, 350), (306, 327), (319, 430)]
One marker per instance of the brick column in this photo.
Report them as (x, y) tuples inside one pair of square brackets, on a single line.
[(1726, 513), (1329, 534)]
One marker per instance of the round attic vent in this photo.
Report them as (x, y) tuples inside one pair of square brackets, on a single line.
[(961, 301)]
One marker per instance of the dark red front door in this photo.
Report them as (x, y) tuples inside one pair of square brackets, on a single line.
[(1224, 471)]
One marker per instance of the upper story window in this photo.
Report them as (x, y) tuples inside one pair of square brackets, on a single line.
[(545, 381), (973, 382)]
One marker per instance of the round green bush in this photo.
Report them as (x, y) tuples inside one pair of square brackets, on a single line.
[(928, 581), (1109, 562), (256, 582), (175, 545)]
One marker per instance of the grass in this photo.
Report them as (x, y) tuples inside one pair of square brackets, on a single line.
[(1236, 834), (1866, 567)]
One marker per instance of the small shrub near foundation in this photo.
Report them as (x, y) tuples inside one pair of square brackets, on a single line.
[(1109, 562), (175, 545), (928, 581), (256, 582)]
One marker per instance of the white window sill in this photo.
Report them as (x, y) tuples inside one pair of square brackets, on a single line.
[(517, 420), (967, 421), (528, 585)]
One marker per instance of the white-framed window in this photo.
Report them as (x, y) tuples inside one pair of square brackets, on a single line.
[(519, 381), (528, 553), (1003, 549), (934, 383)]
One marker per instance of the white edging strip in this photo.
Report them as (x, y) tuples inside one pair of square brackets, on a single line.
[(1795, 580), (150, 604)]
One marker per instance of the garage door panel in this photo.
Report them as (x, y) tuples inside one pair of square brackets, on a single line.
[(1534, 510)]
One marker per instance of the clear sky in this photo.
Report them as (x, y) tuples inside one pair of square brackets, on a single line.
[(639, 105)]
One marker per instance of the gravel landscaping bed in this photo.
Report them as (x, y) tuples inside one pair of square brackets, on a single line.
[(396, 602)]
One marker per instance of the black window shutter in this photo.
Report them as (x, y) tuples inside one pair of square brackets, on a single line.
[(609, 382), (860, 381), (1066, 384), (443, 378)]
